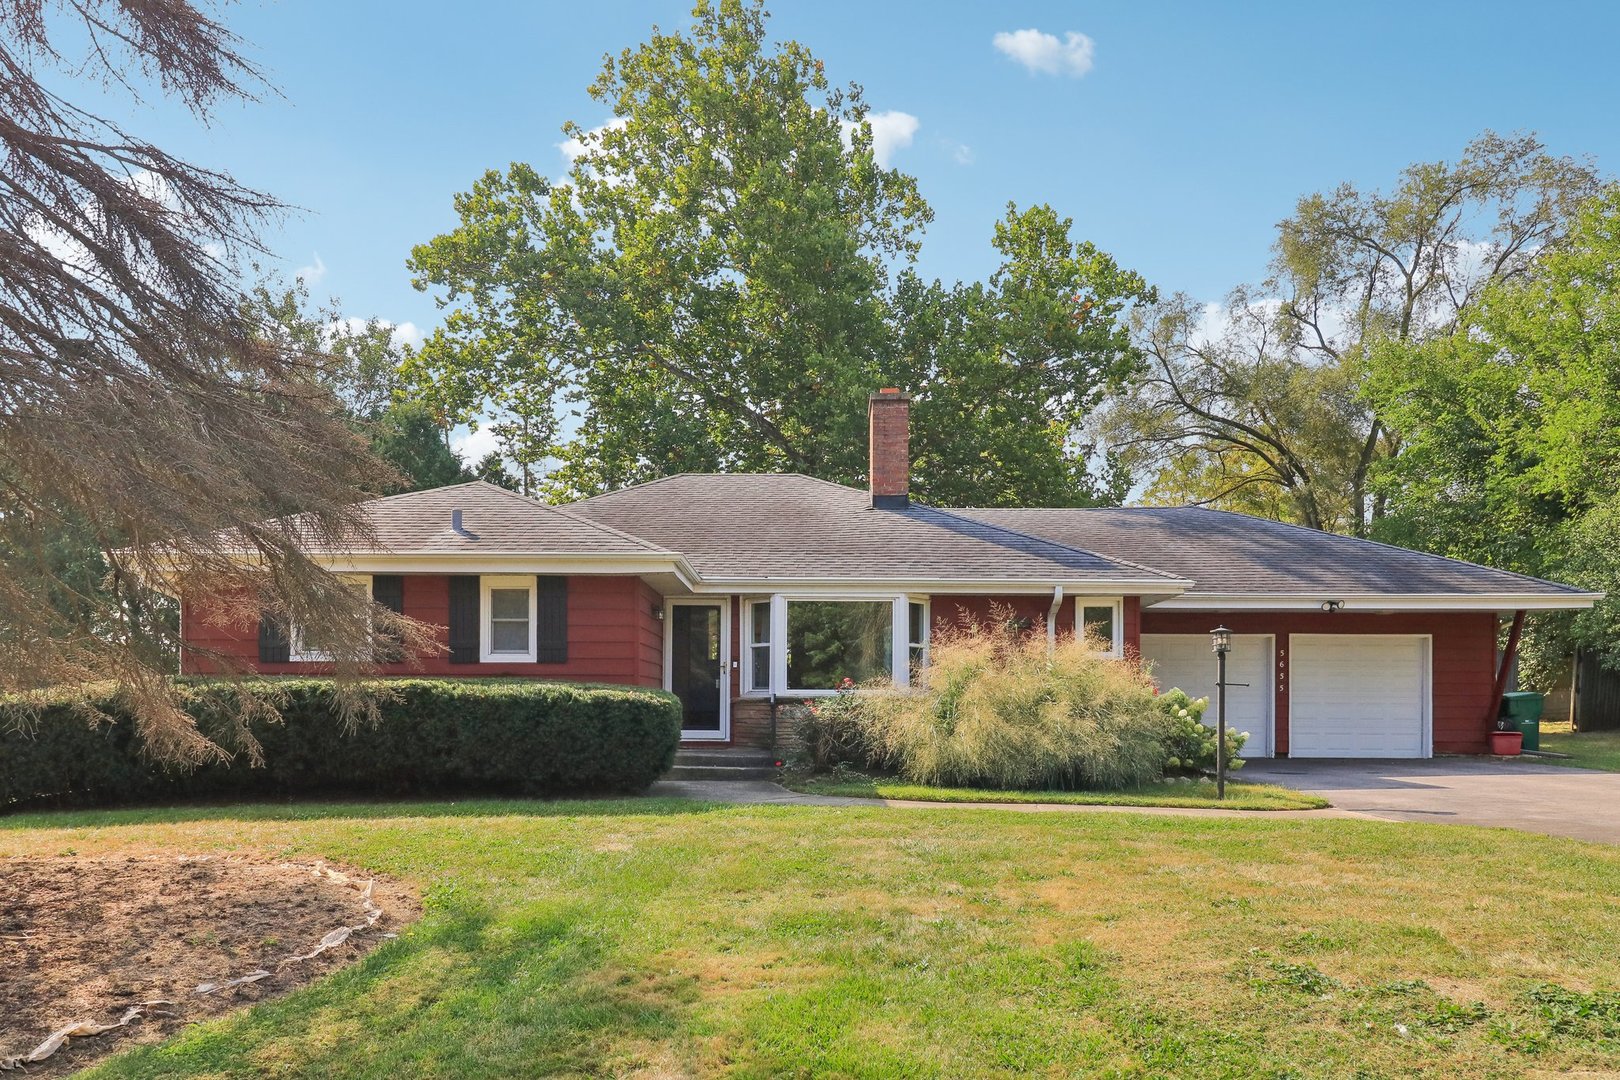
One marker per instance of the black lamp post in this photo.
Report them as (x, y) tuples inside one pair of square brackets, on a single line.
[(1220, 640)]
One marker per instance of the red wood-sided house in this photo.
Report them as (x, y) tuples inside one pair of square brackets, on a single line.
[(740, 592)]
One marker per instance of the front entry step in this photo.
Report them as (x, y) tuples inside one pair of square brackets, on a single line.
[(723, 764)]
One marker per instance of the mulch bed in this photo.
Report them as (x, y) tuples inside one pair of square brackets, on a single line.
[(89, 938)]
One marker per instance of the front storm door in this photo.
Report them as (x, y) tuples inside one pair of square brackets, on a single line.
[(695, 668)]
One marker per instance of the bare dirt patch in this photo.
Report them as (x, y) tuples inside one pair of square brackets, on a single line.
[(88, 939)]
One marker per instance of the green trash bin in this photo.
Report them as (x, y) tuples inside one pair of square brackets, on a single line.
[(1524, 711)]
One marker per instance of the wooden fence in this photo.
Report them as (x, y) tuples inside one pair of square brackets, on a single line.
[(1597, 695)]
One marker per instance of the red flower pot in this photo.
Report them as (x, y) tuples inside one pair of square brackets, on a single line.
[(1507, 743)]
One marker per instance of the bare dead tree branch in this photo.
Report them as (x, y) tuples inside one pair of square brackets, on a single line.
[(152, 432)]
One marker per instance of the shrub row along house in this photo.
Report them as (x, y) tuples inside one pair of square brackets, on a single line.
[(742, 592)]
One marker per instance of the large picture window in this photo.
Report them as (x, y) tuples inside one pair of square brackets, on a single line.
[(830, 641)]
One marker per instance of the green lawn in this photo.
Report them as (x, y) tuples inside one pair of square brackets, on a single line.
[(1586, 749), (669, 939), (1198, 794)]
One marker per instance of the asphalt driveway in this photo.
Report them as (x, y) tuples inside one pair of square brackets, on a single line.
[(1581, 803)]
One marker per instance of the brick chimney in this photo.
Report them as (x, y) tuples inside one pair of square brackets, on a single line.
[(889, 413)]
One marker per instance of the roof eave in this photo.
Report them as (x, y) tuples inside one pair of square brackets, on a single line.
[(464, 562), (949, 586), (1371, 602)]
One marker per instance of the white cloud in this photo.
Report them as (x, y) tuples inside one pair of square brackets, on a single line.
[(1044, 54), (405, 333), (309, 275), (891, 130), (474, 446), (573, 149), (408, 333), (962, 154)]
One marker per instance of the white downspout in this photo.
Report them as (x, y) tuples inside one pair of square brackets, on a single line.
[(1051, 619)]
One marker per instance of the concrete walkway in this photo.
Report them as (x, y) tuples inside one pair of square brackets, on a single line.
[(1503, 792), (1579, 803)]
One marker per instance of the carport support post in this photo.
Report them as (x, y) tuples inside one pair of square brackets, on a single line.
[(1509, 654)]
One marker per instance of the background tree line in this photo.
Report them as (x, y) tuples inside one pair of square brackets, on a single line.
[(726, 271)]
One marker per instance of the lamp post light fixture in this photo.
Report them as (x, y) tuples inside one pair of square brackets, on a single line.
[(1220, 640)]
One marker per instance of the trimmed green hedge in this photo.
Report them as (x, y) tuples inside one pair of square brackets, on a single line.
[(436, 735)]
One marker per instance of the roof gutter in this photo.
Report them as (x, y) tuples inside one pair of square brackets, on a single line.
[(1373, 602), (948, 586), (1051, 620)]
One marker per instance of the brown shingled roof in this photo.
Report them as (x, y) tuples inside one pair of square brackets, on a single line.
[(494, 521), (785, 527), (1227, 553), (782, 528)]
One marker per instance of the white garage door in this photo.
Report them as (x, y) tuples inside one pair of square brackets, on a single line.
[(1185, 661), (1358, 695)]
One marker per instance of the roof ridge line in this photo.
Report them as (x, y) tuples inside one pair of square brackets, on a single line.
[(638, 485), (820, 480), (688, 473), (421, 491), (611, 531), (530, 500), (1067, 547)]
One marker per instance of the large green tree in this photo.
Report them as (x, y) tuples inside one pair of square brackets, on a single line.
[(359, 361), (724, 275), (1262, 400), (1511, 428)]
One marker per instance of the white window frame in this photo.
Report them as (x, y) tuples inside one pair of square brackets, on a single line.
[(296, 652), (486, 615), (1117, 650), (927, 632), (899, 636), (748, 647)]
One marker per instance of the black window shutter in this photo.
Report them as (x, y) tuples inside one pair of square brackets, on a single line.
[(388, 590), (551, 629), (274, 643), (464, 618)]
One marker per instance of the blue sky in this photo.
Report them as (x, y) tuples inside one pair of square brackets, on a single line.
[(1189, 135)]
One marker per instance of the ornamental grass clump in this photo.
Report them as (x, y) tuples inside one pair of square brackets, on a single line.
[(1005, 710)]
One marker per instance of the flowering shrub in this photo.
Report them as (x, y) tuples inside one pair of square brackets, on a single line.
[(1190, 743), (830, 732)]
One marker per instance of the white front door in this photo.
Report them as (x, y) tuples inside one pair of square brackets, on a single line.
[(1358, 696), (1186, 662)]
